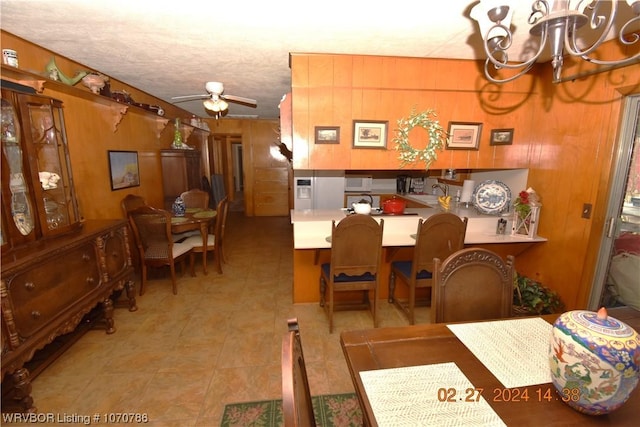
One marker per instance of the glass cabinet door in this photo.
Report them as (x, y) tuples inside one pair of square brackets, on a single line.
[(19, 223), (51, 169)]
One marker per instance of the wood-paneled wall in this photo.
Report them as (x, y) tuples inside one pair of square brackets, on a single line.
[(564, 133)]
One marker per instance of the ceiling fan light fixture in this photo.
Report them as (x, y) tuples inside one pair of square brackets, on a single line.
[(216, 105)]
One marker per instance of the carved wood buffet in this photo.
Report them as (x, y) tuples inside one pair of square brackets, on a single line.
[(48, 287)]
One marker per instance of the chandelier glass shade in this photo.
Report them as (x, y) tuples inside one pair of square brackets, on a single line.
[(556, 22)]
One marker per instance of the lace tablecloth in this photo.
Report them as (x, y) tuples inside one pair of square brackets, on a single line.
[(515, 351), (428, 395)]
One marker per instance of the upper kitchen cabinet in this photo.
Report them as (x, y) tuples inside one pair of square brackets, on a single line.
[(38, 196)]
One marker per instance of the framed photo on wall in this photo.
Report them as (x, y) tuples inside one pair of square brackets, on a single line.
[(369, 134), (501, 137), (464, 136), (327, 135), (123, 169)]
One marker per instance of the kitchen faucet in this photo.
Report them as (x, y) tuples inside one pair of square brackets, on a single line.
[(443, 187)]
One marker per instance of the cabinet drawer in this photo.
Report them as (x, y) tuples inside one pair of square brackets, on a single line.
[(40, 294)]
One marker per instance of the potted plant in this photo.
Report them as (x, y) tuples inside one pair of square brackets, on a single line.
[(532, 298)]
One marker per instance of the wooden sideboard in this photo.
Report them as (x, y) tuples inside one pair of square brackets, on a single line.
[(49, 286)]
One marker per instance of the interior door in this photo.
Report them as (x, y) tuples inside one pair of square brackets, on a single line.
[(617, 279)]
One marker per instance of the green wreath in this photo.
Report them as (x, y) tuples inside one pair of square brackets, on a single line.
[(437, 138)]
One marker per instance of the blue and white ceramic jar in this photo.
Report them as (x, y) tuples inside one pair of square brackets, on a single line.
[(594, 360), (178, 207)]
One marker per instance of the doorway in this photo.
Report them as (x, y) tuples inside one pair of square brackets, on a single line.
[(617, 278)]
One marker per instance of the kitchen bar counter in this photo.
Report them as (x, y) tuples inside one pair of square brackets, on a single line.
[(312, 228)]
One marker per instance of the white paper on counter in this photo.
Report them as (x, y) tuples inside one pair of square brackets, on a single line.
[(418, 396), (515, 351)]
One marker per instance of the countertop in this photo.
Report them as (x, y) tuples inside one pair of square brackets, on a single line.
[(312, 227)]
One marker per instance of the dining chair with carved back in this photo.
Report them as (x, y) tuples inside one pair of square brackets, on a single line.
[(131, 202), (355, 260), (438, 236), (472, 284), (297, 406), (152, 232), (215, 241)]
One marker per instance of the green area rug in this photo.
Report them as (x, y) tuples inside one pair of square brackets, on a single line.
[(339, 410)]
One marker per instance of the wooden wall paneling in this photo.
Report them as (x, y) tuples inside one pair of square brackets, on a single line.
[(300, 127), (342, 71), (299, 64), (371, 72), (321, 71)]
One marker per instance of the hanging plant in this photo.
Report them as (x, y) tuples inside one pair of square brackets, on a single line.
[(437, 138)]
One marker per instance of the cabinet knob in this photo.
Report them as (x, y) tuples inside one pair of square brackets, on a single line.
[(29, 286), (115, 254), (86, 257), (90, 280), (35, 314)]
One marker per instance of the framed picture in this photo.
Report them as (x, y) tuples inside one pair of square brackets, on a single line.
[(464, 136), (501, 137), (327, 135), (369, 134), (123, 169)]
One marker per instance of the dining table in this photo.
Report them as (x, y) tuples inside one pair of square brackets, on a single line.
[(395, 370), (195, 219)]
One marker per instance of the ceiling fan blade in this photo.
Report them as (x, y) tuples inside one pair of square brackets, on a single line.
[(240, 99), (185, 97)]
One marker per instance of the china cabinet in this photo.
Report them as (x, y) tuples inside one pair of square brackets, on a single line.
[(56, 267), (181, 171)]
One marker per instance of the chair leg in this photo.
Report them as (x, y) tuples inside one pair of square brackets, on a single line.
[(412, 303), (323, 289), (192, 258), (375, 306), (218, 257), (330, 307), (143, 280), (392, 286), (173, 277)]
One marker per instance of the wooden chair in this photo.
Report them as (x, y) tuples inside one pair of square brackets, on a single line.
[(195, 198), (356, 248), (297, 406), (438, 236), (152, 232), (131, 202), (214, 241), (472, 284)]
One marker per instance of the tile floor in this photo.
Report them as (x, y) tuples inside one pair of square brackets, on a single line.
[(180, 359)]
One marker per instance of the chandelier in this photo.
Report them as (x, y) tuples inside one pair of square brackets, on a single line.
[(558, 22)]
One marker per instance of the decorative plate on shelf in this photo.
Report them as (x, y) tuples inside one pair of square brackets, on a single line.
[(491, 197)]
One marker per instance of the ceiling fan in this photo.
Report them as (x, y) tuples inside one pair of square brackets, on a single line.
[(216, 101)]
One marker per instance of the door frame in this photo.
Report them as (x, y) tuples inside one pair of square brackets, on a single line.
[(621, 165)]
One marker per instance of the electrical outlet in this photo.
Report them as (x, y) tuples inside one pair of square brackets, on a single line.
[(586, 210)]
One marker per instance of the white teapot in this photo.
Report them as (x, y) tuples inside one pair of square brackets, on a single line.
[(363, 206)]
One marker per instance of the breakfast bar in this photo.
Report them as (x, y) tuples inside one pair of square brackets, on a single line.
[(312, 231)]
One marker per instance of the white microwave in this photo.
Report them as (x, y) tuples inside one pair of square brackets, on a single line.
[(358, 183)]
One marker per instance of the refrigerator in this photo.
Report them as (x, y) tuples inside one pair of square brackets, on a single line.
[(315, 189)]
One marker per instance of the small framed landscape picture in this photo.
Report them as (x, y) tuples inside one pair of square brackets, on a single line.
[(464, 136), (501, 137), (369, 134), (123, 169), (327, 135)]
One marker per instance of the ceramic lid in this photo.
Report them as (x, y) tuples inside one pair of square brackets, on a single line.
[(584, 321)]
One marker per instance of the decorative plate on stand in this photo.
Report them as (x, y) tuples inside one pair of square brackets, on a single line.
[(491, 197)]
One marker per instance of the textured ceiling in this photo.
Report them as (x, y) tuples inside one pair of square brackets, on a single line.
[(171, 48)]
